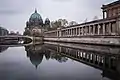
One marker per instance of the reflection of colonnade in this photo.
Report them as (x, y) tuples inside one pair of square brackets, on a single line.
[(109, 63)]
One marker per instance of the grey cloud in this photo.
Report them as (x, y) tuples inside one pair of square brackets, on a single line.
[(9, 12), (61, 0), (16, 6)]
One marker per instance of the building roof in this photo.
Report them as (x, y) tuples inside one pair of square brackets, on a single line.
[(111, 4), (35, 16)]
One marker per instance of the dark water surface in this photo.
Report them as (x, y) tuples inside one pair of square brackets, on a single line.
[(53, 61)]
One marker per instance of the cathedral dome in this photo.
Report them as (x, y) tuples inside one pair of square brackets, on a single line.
[(35, 17)]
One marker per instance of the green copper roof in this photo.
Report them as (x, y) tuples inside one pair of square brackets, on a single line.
[(35, 15)]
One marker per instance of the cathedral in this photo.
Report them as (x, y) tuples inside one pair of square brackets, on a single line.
[(35, 25)]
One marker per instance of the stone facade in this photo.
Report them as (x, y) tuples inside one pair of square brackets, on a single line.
[(111, 10), (3, 31)]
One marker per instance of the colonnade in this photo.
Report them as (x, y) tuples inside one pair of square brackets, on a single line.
[(99, 27), (90, 30)]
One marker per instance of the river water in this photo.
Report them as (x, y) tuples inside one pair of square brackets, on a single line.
[(55, 61)]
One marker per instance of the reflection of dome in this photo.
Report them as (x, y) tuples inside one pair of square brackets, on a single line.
[(36, 17), (36, 59), (34, 55), (3, 48)]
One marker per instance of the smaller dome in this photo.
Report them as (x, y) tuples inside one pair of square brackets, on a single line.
[(47, 21)]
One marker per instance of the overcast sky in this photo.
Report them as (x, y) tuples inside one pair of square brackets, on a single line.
[(15, 13)]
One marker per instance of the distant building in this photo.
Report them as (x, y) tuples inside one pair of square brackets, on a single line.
[(35, 25), (3, 31)]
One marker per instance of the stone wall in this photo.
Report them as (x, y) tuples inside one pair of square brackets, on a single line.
[(95, 41)]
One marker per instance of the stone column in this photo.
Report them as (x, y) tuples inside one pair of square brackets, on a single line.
[(68, 32), (103, 28), (79, 32), (82, 30), (76, 31), (60, 33), (99, 29), (103, 14), (94, 29), (85, 30), (63, 33), (110, 28), (89, 30), (71, 32), (118, 26), (57, 34)]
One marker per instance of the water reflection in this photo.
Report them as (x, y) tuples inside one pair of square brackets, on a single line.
[(100, 58), (108, 63), (3, 48), (36, 53)]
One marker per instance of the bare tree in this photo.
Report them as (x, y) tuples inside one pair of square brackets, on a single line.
[(72, 23), (95, 18)]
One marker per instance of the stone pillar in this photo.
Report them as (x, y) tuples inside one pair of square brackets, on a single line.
[(60, 33), (67, 32), (70, 32), (103, 28), (94, 29), (85, 30), (99, 29), (89, 30), (57, 34), (118, 26), (82, 30), (63, 33), (103, 14), (79, 32), (110, 28), (76, 31)]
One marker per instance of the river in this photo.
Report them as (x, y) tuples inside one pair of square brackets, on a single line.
[(56, 61)]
